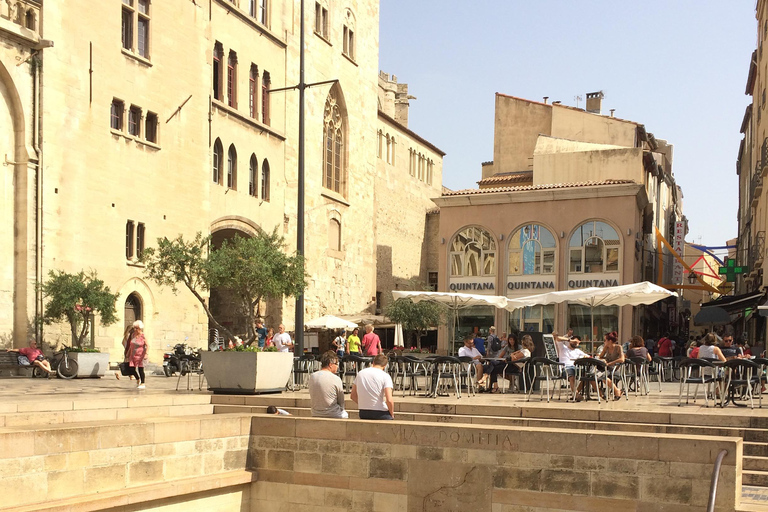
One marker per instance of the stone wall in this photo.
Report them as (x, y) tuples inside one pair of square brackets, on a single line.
[(393, 466)]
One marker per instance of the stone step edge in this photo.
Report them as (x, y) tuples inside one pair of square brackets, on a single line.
[(149, 410), (513, 418), (142, 494), (65, 405)]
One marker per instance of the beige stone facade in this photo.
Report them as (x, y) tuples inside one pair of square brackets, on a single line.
[(570, 201), (161, 123)]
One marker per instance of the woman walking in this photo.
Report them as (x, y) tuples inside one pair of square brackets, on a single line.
[(138, 352)]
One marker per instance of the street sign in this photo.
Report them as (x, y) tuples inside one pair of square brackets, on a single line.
[(725, 288), (730, 270)]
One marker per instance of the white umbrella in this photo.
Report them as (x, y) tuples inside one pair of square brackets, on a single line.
[(454, 302), (330, 322), (399, 335), (624, 295)]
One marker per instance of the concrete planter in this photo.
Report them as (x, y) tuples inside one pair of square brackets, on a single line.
[(90, 364), (247, 373)]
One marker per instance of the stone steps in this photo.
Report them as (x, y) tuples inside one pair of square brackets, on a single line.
[(755, 463)]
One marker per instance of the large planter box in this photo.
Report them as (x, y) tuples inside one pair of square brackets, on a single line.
[(91, 364), (247, 373)]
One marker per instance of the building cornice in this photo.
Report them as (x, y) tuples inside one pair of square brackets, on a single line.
[(412, 134)]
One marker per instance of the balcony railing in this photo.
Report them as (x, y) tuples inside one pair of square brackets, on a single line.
[(757, 252), (757, 187)]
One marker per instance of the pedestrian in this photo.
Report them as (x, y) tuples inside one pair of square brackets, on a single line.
[(340, 343), (371, 342), (261, 332), (282, 340), (354, 342), (372, 391), (270, 334), (326, 391), (138, 353), (126, 346)]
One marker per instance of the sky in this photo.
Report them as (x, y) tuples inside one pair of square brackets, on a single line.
[(677, 66)]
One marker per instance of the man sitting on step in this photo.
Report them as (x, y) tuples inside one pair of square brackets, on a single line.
[(326, 391)]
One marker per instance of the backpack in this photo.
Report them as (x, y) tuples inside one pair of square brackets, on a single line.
[(494, 343)]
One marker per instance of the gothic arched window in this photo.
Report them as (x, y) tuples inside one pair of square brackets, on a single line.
[(334, 168)]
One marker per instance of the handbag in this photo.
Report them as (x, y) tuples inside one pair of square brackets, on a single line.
[(23, 361), (125, 370)]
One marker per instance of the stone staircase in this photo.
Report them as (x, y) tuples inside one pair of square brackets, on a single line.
[(752, 430)]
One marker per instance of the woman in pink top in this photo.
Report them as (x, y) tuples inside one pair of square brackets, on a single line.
[(371, 342), (138, 352), (34, 357)]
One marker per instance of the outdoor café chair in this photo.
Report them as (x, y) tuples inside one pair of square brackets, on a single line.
[(760, 376), (638, 374), (740, 379), (524, 375), (413, 369), (589, 370), (618, 374), (303, 367), (699, 373), (350, 365), (545, 370), (468, 374), (442, 369)]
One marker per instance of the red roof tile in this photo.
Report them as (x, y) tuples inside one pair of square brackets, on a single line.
[(471, 191)]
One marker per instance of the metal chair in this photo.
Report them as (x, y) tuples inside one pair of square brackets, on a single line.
[(545, 370), (741, 374), (700, 373), (638, 373), (588, 372), (523, 374), (468, 374), (415, 368), (444, 368), (350, 365), (303, 367)]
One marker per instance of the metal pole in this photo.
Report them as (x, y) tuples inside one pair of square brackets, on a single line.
[(299, 321)]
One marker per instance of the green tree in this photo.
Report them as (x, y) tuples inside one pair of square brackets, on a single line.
[(252, 268), (416, 317), (255, 269), (76, 298)]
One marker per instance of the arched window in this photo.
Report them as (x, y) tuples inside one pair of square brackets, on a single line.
[(594, 248), (253, 95), (132, 309), (473, 253), (218, 56), (232, 167), (253, 169), (265, 83), (348, 35), (218, 158), (30, 24), (265, 180), (232, 79), (379, 142), (531, 251), (389, 148), (334, 234), (334, 164)]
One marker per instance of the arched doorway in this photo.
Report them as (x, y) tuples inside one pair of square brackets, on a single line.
[(133, 310)]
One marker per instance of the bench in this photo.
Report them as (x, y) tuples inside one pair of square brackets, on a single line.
[(9, 365)]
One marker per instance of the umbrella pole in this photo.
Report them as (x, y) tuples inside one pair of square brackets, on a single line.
[(592, 328)]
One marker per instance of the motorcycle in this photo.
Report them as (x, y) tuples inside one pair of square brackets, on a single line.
[(181, 359), (171, 362)]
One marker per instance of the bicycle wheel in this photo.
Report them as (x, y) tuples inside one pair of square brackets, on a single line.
[(67, 368)]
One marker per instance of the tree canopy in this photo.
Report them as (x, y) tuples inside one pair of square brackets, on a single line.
[(415, 316), (75, 298)]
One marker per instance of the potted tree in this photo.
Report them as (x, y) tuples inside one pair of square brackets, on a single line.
[(253, 269), (416, 318), (76, 299)]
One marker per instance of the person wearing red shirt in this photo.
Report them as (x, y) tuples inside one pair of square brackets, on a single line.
[(664, 346), (34, 356), (371, 342)]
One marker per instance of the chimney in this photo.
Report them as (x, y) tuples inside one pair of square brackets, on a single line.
[(594, 102), (545, 99), (612, 111)]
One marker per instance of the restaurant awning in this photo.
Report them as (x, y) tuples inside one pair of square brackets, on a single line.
[(737, 303)]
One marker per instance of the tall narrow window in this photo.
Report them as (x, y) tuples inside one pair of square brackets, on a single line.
[(116, 114), (265, 83), (252, 8), (265, 180), (142, 35), (379, 140), (127, 25), (253, 83), (218, 155), (139, 239), (334, 235), (263, 16), (321, 20), (134, 121), (129, 228), (218, 56), (333, 153), (232, 79), (232, 167), (389, 148), (253, 169), (150, 127), (348, 35)]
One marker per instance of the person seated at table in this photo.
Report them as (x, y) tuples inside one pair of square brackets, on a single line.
[(710, 350), (612, 355), (509, 369), (692, 345), (729, 350), (637, 348), (742, 345), (469, 350), (33, 356), (569, 351)]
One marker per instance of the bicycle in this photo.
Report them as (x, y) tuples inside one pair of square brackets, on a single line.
[(65, 365)]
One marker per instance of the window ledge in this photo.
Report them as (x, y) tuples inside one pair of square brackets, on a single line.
[(226, 109), (134, 263), (244, 16), (140, 60), (333, 196), (350, 59), (120, 133), (333, 253), (321, 36), (148, 144)]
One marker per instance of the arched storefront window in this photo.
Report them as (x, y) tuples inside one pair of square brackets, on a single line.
[(532, 251), (473, 253), (594, 248)]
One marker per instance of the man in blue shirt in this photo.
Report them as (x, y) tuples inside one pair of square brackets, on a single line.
[(261, 332), (479, 343)]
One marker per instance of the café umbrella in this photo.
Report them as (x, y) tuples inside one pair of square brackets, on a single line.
[(454, 302)]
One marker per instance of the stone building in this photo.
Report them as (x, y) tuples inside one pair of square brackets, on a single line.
[(570, 200), (128, 121)]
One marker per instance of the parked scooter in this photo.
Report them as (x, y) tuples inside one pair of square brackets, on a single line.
[(181, 359), (171, 362)]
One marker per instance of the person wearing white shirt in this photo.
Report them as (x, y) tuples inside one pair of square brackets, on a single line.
[(372, 391), (282, 340), (569, 352), (469, 350)]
